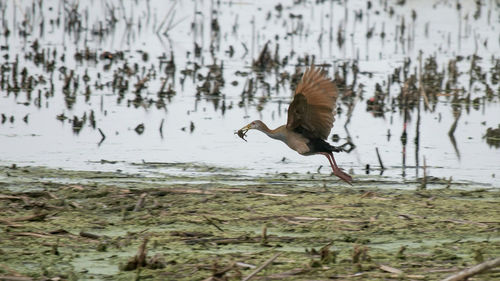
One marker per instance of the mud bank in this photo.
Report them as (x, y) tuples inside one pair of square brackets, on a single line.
[(76, 225)]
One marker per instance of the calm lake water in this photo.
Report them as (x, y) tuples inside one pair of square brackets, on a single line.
[(141, 37)]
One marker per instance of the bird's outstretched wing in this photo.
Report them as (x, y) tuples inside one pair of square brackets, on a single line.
[(313, 107)]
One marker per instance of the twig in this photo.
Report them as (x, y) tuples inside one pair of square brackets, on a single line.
[(451, 133), (260, 268), (139, 260), (140, 202), (161, 126), (421, 84), (466, 222), (390, 269), (379, 159), (165, 18), (246, 50), (15, 278), (89, 235), (36, 217), (448, 184), (237, 240), (453, 127), (11, 197), (405, 216), (75, 205), (182, 190), (11, 224), (287, 274), (142, 253), (348, 276), (32, 234), (466, 273), (263, 241), (103, 136), (424, 178), (245, 265), (270, 194), (213, 223), (439, 270), (171, 26)]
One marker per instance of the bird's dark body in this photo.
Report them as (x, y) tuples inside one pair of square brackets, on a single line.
[(316, 145), (319, 145)]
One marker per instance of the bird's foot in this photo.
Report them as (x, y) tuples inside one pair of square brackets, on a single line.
[(343, 176), (346, 147)]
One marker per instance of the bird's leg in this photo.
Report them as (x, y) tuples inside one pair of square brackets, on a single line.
[(336, 170), (339, 173)]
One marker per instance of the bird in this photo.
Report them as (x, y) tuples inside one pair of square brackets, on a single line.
[(310, 119)]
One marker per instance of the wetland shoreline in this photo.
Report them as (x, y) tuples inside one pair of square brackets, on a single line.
[(77, 225)]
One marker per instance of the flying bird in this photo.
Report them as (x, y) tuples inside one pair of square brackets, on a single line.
[(310, 119)]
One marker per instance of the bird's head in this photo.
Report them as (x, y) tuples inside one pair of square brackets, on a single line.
[(254, 125)]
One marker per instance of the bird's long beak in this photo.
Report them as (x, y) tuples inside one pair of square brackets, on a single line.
[(243, 132), (246, 128)]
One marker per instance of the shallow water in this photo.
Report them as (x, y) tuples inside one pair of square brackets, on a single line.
[(439, 29)]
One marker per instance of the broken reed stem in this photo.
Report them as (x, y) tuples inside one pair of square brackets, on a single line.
[(166, 17), (260, 268), (89, 235), (161, 127), (141, 202), (424, 178), (453, 127), (448, 184), (421, 84), (35, 217), (142, 253), (379, 159), (390, 269), (103, 136), (15, 278), (263, 240), (213, 223), (466, 273)]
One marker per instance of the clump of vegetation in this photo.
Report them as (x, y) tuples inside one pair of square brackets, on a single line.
[(493, 136), (122, 227)]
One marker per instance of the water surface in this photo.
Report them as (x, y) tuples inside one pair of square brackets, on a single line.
[(198, 127)]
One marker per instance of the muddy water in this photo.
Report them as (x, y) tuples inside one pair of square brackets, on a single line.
[(198, 128)]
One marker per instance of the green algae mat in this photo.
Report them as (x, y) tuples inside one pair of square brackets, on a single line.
[(75, 225)]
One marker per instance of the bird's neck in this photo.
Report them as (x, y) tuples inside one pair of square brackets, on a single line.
[(278, 133)]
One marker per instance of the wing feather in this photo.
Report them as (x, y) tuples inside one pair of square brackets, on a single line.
[(312, 110)]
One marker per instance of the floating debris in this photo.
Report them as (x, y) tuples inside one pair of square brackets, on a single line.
[(493, 136), (139, 129)]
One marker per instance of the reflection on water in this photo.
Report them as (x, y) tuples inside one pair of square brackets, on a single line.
[(171, 81)]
